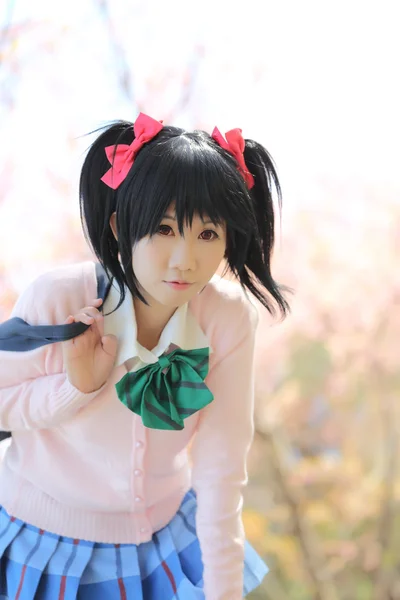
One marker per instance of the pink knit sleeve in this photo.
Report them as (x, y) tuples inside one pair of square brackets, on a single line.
[(34, 390), (220, 450)]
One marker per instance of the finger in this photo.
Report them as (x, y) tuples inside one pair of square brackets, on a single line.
[(109, 344), (91, 312), (84, 318), (97, 301), (69, 320)]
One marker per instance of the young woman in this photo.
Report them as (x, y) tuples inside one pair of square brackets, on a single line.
[(127, 384)]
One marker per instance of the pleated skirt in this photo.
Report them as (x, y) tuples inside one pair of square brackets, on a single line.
[(36, 564)]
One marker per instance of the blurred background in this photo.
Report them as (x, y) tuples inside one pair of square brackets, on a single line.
[(317, 83)]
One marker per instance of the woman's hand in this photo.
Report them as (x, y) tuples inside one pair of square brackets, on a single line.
[(90, 357)]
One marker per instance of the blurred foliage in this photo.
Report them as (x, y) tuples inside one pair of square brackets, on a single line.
[(323, 501)]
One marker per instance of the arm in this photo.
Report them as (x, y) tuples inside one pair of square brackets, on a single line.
[(41, 402), (219, 455), (34, 389)]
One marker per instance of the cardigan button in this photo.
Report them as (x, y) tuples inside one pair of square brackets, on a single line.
[(138, 499), (139, 444), (137, 472)]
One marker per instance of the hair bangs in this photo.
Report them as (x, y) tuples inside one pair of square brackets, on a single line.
[(185, 174), (202, 187)]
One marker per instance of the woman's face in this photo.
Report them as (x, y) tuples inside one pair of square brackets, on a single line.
[(171, 269)]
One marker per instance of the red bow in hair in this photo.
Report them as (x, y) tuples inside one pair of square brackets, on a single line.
[(234, 143), (122, 156)]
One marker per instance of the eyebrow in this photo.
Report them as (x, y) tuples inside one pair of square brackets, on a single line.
[(172, 218)]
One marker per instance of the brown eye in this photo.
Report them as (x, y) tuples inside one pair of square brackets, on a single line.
[(208, 235), (164, 230)]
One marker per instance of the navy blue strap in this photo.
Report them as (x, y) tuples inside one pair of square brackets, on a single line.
[(16, 335)]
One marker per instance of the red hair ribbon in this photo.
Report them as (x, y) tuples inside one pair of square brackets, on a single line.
[(122, 156), (234, 143)]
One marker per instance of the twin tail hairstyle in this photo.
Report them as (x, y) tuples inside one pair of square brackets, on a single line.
[(191, 171)]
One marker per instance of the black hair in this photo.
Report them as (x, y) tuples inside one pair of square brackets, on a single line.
[(191, 170)]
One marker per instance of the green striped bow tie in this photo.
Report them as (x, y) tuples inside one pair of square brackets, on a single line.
[(164, 393)]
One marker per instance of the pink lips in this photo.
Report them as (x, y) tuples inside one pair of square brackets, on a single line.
[(178, 285)]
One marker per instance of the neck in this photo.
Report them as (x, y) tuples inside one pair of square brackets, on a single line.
[(150, 322)]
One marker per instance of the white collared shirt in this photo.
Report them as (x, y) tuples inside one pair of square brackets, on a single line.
[(182, 330)]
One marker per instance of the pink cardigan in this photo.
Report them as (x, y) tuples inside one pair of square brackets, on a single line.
[(84, 466)]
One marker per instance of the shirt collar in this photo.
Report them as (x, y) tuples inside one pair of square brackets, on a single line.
[(181, 330)]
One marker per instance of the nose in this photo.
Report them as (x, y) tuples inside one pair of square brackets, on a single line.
[(183, 257)]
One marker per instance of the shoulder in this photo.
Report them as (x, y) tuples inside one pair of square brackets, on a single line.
[(51, 295), (224, 308), (226, 297)]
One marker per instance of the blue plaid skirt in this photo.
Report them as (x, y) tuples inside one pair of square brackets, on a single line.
[(35, 564)]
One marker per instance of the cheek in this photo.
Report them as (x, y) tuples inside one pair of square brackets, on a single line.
[(213, 257), (146, 256)]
